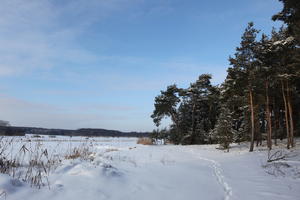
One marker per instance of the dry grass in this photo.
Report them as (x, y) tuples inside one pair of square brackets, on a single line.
[(32, 163), (77, 152), (145, 141), (84, 152)]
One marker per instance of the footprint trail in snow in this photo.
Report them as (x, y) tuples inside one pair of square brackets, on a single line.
[(218, 173)]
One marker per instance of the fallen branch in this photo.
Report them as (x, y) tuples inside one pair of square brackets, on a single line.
[(3, 194), (278, 155)]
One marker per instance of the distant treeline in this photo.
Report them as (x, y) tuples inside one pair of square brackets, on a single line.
[(21, 131)]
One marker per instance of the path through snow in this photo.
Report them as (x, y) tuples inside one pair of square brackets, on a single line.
[(218, 173)]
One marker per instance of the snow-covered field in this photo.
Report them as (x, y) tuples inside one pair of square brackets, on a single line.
[(118, 168)]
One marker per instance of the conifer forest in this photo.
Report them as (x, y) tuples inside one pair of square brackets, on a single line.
[(259, 99)]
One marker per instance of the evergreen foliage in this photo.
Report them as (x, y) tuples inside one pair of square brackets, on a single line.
[(259, 99), (223, 130)]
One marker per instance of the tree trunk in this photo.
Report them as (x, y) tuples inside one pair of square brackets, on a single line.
[(258, 133), (257, 126), (252, 121), (174, 119), (290, 114), (281, 123), (268, 117), (286, 115), (193, 124), (276, 121)]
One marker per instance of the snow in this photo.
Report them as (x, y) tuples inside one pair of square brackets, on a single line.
[(284, 42), (121, 169)]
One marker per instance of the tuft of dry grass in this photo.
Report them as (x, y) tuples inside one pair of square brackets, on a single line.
[(83, 152), (145, 141)]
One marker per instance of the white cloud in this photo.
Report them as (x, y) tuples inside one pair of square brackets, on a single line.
[(38, 34), (43, 34)]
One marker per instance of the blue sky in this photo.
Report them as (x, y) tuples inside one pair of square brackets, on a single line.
[(100, 63)]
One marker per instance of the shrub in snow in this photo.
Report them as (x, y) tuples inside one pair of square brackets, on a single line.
[(145, 141)]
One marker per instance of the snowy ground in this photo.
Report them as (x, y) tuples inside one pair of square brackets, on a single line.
[(121, 169)]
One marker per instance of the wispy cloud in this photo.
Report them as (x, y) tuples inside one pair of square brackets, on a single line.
[(100, 63), (125, 75), (40, 34)]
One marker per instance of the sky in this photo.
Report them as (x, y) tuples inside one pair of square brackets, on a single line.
[(100, 63)]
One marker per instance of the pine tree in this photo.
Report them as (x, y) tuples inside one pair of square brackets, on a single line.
[(223, 130), (245, 65), (166, 105), (265, 60), (290, 15), (287, 72), (203, 101)]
